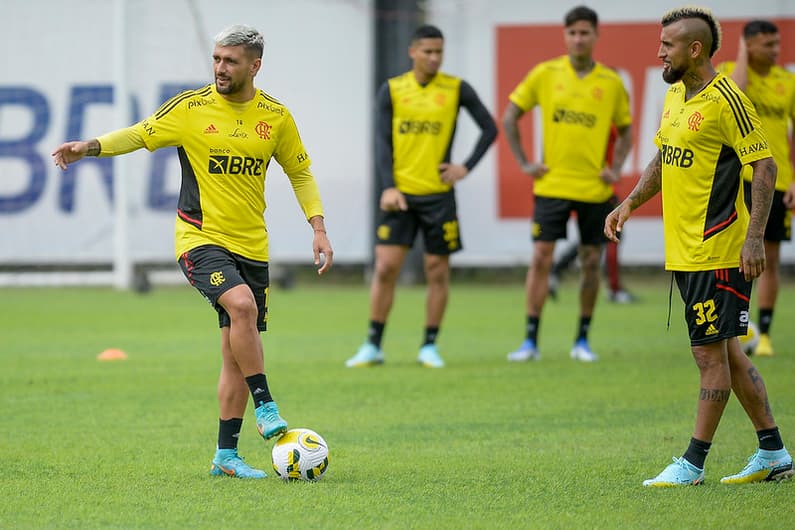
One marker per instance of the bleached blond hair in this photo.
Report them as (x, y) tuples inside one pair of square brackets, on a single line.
[(702, 13)]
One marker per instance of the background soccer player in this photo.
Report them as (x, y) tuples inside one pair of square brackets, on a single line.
[(225, 134), (580, 100), (616, 292), (771, 89), (714, 246), (417, 116)]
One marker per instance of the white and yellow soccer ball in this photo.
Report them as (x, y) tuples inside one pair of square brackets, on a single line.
[(300, 454), (749, 341)]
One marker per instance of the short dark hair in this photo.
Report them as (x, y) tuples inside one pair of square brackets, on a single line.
[(581, 13), (704, 14), (426, 31), (755, 27)]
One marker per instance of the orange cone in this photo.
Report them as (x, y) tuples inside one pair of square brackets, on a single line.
[(112, 354)]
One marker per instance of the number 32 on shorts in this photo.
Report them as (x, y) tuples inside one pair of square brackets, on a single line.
[(705, 312)]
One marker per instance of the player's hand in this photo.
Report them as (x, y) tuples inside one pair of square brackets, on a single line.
[(535, 170), (752, 258), (392, 200), (609, 176), (452, 173), (789, 197), (614, 222), (69, 153), (322, 246)]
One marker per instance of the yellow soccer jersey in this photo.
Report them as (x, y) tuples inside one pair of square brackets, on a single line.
[(224, 150), (703, 144), (423, 122), (577, 115), (773, 97)]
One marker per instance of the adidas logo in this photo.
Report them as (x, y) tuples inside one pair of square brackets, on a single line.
[(211, 129), (260, 391), (711, 330)]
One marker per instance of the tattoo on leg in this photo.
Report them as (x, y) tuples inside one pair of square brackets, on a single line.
[(756, 379), (714, 394), (761, 391)]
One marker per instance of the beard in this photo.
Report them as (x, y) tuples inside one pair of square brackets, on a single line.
[(230, 88), (672, 75)]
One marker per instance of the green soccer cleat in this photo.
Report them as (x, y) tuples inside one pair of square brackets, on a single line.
[(763, 466), (228, 463), (429, 357), (680, 473), (269, 423), (368, 354)]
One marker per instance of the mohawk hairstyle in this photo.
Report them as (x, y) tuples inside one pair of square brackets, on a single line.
[(696, 12)]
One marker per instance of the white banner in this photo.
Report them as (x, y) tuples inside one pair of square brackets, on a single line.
[(58, 85)]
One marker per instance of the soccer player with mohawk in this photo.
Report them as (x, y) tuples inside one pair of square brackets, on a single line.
[(713, 245)]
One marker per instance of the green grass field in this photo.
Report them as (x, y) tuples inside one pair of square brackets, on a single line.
[(479, 444)]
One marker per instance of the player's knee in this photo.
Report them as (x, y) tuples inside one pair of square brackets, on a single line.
[(240, 305), (386, 272)]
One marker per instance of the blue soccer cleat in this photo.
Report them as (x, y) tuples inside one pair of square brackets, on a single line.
[(269, 423), (680, 473), (526, 352), (368, 354), (763, 466), (228, 463), (582, 352), (429, 357)]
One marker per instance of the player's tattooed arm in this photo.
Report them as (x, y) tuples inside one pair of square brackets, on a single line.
[(763, 185), (649, 185)]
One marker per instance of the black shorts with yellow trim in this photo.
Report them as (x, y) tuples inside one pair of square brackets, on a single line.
[(435, 215), (716, 303), (213, 270)]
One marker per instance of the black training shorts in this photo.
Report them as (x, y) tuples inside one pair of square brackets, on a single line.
[(213, 270), (434, 215), (716, 304), (552, 216)]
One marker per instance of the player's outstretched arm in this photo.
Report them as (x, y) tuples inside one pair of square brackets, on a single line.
[(71, 152)]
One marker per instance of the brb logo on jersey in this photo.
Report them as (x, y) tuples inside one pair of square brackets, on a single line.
[(235, 165), (420, 127), (676, 156), (574, 118)]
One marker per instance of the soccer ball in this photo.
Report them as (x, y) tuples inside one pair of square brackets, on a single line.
[(300, 454), (749, 341)]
